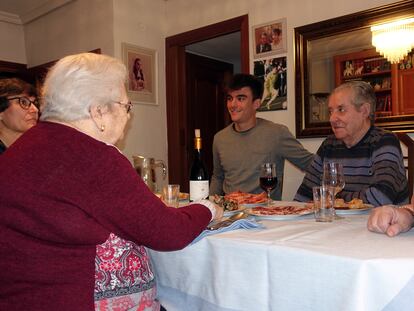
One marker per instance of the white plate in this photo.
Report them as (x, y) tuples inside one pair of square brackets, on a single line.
[(281, 217), (248, 205), (354, 211)]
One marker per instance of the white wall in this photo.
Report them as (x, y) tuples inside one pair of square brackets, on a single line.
[(12, 43), (78, 26), (142, 23)]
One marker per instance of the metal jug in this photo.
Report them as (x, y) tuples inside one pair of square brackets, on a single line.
[(145, 168)]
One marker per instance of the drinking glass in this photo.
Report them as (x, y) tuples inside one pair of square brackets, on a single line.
[(333, 175), (268, 179), (171, 195), (323, 200)]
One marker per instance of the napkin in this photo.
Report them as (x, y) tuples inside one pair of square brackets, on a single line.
[(238, 224)]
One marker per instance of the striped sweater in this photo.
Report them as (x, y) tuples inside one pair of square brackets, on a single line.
[(373, 169)]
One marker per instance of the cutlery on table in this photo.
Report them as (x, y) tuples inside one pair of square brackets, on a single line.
[(227, 222)]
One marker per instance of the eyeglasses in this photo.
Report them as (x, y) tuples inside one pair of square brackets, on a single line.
[(25, 103), (128, 105)]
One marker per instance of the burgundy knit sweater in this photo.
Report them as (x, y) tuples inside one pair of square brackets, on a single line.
[(61, 194)]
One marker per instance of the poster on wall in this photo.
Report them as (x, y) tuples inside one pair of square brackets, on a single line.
[(141, 64), (272, 73), (269, 38)]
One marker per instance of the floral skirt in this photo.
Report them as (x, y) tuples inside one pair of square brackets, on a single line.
[(124, 279)]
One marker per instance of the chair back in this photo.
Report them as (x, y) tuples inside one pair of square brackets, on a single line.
[(408, 159)]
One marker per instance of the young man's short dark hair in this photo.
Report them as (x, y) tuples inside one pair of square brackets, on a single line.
[(241, 80)]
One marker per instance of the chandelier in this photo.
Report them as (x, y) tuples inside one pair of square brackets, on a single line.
[(394, 40)]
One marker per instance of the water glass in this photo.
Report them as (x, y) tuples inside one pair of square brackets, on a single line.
[(171, 195), (323, 200)]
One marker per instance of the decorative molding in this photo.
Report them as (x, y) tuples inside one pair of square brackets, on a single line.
[(43, 9), (10, 18), (34, 12)]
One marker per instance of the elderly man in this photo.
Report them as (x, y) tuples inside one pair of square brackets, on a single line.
[(372, 158)]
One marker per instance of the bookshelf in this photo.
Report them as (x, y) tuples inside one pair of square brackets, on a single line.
[(369, 66)]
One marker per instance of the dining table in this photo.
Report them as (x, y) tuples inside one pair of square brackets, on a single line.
[(292, 263)]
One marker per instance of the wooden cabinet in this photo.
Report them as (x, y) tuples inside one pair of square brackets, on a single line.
[(393, 83), (405, 91), (370, 66)]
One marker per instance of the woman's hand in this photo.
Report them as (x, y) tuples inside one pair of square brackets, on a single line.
[(216, 211)]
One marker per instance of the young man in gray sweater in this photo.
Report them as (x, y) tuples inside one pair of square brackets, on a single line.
[(242, 147)]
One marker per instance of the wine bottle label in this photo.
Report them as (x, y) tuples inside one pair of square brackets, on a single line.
[(198, 190)]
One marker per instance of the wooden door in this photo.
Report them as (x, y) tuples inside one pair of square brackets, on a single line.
[(206, 103), (179, 139)]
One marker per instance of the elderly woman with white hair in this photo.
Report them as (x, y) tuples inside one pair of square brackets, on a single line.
[(74, 215)]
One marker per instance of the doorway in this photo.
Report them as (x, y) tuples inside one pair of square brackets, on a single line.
[(206, 102), (180, 129)]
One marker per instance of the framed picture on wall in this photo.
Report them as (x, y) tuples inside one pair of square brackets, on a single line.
[(269, 38), (272, 72), (142, 80)]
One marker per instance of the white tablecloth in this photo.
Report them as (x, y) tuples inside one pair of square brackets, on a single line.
[(291, 265)]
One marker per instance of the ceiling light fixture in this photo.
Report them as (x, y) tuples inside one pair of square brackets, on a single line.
[(394, 40)]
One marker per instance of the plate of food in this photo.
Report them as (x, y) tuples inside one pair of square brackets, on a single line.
[(246, 199), (183, 196), (355, 206), (237, 201), (280, 210)]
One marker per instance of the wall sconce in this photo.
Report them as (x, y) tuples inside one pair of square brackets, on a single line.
[(394, 40)]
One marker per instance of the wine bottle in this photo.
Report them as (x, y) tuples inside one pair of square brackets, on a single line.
[(199, 184)]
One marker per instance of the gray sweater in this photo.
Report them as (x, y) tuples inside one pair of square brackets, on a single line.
[(238, 156)]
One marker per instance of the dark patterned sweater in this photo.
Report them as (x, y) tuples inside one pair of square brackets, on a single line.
[(373, 169)]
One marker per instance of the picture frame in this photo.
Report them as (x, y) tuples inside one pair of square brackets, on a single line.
[(272, 72), (141, 64), (269, 38)]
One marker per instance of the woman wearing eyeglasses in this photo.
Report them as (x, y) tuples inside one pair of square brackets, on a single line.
[(75, 217), (19, 110)]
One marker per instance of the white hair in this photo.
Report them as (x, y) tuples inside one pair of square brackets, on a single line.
[(362, 92), (76, 82)]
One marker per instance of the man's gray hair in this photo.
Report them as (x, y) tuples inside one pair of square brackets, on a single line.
[(76, 82), (362, 92)]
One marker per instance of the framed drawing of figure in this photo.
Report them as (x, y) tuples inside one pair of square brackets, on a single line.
[(141, 65), (269, 38)]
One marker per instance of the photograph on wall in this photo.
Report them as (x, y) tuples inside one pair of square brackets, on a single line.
[(269, 38), (141, 65), (272, 73)]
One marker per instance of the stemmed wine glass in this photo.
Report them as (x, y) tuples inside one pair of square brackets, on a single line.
[(333, 175), (268, 179)]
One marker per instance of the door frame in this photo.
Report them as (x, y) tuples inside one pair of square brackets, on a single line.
[(176, 88)]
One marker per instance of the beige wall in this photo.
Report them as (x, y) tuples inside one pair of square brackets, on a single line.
[(88, 24), (142, 23), (78, 26), (12, 43)]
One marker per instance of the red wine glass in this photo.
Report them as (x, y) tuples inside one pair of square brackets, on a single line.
[(268, 179)]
